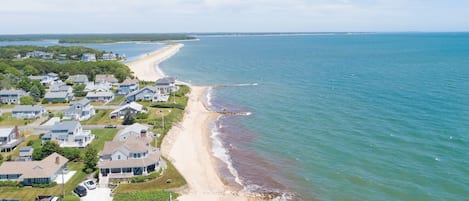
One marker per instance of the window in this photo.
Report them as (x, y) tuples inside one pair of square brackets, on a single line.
[(118, 157)]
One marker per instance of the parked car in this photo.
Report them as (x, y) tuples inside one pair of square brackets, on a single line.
[(80, 191), (90, 184), (110, 126)]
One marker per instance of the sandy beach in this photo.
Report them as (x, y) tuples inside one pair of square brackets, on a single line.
[(187, 145), (144, 68)]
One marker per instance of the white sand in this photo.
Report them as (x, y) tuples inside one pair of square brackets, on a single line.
[(145, 68)]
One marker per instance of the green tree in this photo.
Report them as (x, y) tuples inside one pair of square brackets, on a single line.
[(13, 71), (79, 90), (128, 119), (41, 87), (37, 154), (27, 100), (90, 159), (71, 153), (50, 147), (35, 93), (25, 84), (30, 70)]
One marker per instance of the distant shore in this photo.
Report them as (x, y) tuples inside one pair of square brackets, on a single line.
[(188, 145)]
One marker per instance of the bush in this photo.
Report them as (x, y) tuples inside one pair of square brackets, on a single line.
[(45, 101), (51, 184), (88, 170), (141, 116), (141, 178), (10, 183)]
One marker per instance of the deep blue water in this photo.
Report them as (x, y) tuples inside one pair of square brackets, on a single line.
[(342, 117)]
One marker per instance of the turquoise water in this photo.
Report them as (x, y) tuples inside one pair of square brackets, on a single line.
[(342, 117)]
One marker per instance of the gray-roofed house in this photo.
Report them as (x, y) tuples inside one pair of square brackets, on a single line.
[(133, 108), (128, 158), (58, 96), (136, 129), (28, 111), (166, 85), (127, 86), (9, 138), (33, 172), (60, 87), (101, 87), (98, 96), (106, 78), (11, 96), (147, 93), (79, 110), (79, 79), (69, 134), (26, 153)]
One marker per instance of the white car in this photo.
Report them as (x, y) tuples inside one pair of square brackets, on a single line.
[(90, 184)]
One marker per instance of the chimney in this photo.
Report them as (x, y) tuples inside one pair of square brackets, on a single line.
[(17, 133), (57, 160), (143, 133)]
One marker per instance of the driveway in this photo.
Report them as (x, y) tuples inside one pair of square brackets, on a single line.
[(98, 194)]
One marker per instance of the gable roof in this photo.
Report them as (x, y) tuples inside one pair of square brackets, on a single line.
[(28, 108), (69, 126), (151, 88), (79, 78), (129, 81), (106, 78), (83, 101), (12, 92), (45, 168), (56, 95), (99, 94), (131, 144), (166, 80), (135, 128), (133, 105)]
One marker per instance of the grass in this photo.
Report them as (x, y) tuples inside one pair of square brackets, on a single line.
[(7, 106), (118, 99), (145, 196), (7, 120), (101, 118), (156, 184), (102, 135), (28, 193)]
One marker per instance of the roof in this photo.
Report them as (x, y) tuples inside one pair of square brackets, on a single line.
[(28, 108), (132, 144), (129, 81), (26, 148), (166, 80), (13, 91), (152, 89), (83, 101), (106, 77), (152, 158), (135, 128), (79, 78), (5, 132), (133, 105), (45, 168), (99, 94), (56, 95), (66, 125)]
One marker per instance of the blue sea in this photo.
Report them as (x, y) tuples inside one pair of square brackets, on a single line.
[(338, 116)]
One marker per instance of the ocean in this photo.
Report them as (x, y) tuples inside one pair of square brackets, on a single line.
[(340, 116), (334, 117)]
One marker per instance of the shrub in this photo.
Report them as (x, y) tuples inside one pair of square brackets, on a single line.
[(51, 184), (10, 183), (45, 101)]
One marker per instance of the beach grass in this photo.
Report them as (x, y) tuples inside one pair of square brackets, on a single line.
[(101, 118), (102, 135), (29, 193)]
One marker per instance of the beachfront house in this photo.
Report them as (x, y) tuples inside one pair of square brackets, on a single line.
[(97, 96), (128, 86), (26, 153), (109, 56), (79, 110), (11, 96), (137, 130), (9, 138), (33, 172), (88, 57), (166, 85), (69, 134), (133, 108), (147, 93), (131, 157), (78, 79), (28, 111)]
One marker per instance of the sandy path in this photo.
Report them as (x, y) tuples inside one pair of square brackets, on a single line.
[(144, 68)]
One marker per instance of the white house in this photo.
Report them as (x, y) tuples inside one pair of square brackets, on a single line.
[(69, 134), (9, 138), (98, 96), (11, 96), (147, 93), (79, 110), (28, 111), (133, 108), (136, 129), (166, 85)]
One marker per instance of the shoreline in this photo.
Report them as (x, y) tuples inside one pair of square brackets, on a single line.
[(188, 144)]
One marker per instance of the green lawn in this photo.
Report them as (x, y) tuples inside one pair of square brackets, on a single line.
[(156, 184), (7, 120), (102, 135), (145, 196), (7, 106), (29, 194), (118, 99), (101, 118)]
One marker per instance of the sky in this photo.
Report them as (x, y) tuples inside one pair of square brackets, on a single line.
[(182, 16)]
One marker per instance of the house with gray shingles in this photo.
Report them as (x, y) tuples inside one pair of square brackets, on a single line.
[(28, 111), (69, 134), (11, 96), (79, 110), (166, 85), (128, 86), (106, 78), (98, 96), (9, 138), (136, 129), (58, 96), (60, 87), (79, 79), (131, 157), (147, 93), (33, 172), (26, 153), (133, 108), (101, 87)]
